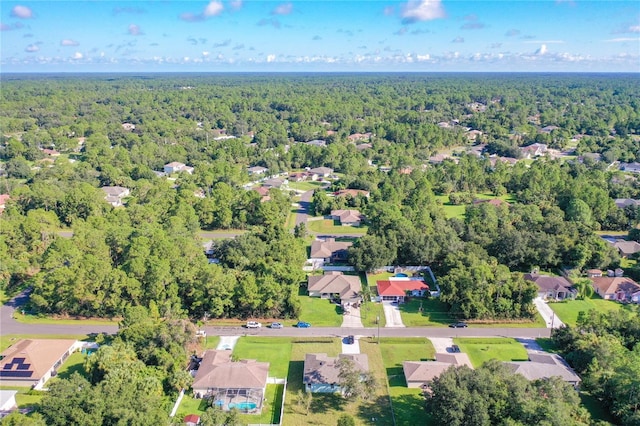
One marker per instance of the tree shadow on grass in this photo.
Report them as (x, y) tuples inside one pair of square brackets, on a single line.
[(377, 411), (325, 402), (407, 408)]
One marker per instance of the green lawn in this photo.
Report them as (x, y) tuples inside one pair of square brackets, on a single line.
[(329, 226), (370, 312), (25, 397), (568, 311), (36, 319), (372, 279), (407, 403), (481, 350), (305, 186), (73, 364), (434, 312), (274, 350), (320, 312), (211, 342), (458, 211)]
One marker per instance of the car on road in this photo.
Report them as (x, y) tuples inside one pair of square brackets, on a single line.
[(275, 325), (253, 324), (302, 324), (458, 325)]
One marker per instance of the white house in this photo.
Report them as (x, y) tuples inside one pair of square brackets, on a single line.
[(175, 167)]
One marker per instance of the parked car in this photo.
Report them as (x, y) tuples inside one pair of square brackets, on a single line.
[(455, 348), (253, 324), (458, 325), (276, 325), (302, 324), (350, 340)]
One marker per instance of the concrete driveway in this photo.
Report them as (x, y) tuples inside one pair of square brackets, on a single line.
[(392, 315), (353, 348), (352, 319), (442, 344), (550, 317), (227, 343)]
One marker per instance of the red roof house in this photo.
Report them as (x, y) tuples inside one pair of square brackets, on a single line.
[(397, 289)]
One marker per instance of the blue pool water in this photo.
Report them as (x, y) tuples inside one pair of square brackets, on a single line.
[(243, 405), (402, 275)]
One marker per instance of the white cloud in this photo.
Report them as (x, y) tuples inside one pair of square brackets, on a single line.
[(135, 30), (68, 42), (271, 58), (622, 39), (214, 8), (422, 10), (283, 9), (32, 48), (205, 53), (422, 58), (22, 12), (78, 55), (634, 29), (544, 41), (542, 50)]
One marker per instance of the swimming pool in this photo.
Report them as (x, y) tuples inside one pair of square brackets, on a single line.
[(244, 406), (400, 275)]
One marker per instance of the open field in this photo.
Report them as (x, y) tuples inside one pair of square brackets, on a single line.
[(458, 211), (331, 227), (407, 403), (481, 350), (425, 312), (319, 312), (568, 311)]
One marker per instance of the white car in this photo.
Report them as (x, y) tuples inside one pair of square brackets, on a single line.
[(253, 324)]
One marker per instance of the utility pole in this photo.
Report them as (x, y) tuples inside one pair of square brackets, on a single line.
[(378, 321)]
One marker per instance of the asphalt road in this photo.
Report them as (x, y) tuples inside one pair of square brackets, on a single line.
[(305, 204)]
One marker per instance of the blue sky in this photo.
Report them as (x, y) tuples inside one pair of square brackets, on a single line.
[(320, 35)]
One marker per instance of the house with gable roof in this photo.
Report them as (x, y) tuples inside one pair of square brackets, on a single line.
[(329, 250), (419, 374), (347, 217), (615, 288), (544, 366), (334, 284), (554, 288), (321, 371), (396, 289)]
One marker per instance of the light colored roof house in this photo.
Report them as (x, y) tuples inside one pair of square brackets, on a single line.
[(274, 183), (543, 366), (257, 170), (7, 401), (332, 283), (31, 362), (591, 273), (51, 152), (128, 126), (363, 146), (472, 135), (232, 384), (625, 202), (322, 171), (351, 192), (630, 167), (396, 289), (615, 288), (533, 150), (421, 373), (347, 217), (175, 167), (329, 250), (627, 248), (321, 371), (555, 288), (115, 194), (359, 136), (549, 129), (317, 142), (3, 201), (262, 190)]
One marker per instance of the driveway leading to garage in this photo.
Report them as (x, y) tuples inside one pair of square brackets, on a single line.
[(351, 348), (227, 343), (442, 345), (550, 318), (392, 315), (352, 319)]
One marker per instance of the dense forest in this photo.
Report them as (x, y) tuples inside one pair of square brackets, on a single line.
[(148, 254)]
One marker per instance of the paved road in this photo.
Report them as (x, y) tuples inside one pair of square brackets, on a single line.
[(10, 326), (305, 205)]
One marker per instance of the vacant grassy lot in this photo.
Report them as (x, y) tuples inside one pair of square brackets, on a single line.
[(331, 227), (458, 211), (274, 350), (424, 312), (320, 312), (481, 350), (407, 403), (568, 311), (370, 312), (305, 186)]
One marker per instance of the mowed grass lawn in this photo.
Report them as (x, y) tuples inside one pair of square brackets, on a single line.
[(319, 312), (481, 349), (26, 397), (331, 227), (568, 311), (425, 312), (458, 211), (407, 403), (274, 350)]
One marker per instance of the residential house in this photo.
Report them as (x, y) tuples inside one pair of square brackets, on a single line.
[(347, 217), (231, 384), (329, 250), (257, 170), (419, 374), (615, 288), (191, 420), (3, 201), (115, 194), (543, 366), (363, 146), (175, 167), (635, 297), (592, 273), (50, 152), (553, 288), (396, 289), (275, 183), (128, 127), (317, 142), (7, 401), (322, 171), (627, 248), (31, 362), (321, 371), (334, 284), (626, 202), (351, 193), (359, 136), (533, 150), (300, 176), (548, 129), (473, 135)]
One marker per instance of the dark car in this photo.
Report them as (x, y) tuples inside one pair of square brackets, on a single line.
[(455, 348), (275, 325), (349, 340), (302, 324), (458, 325)]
